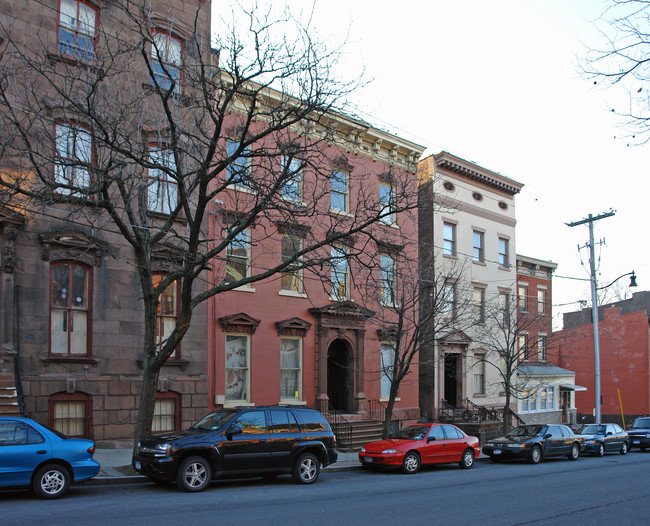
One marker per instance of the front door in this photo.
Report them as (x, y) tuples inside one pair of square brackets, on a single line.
[(338, 376), (451, 379)]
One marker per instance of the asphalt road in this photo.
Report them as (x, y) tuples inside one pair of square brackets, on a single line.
[(610, 490)]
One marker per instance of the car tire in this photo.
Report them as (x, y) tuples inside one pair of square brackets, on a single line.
[(411, 463), (51, 481), (535, 456), (624, 449), (600, 451), (467, 460), (306, 469), (194, 474), (575, 451)]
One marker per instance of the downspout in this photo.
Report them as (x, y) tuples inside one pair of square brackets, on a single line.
[(17, 376)]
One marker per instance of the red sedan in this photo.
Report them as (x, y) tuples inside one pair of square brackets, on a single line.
[(420, 444)]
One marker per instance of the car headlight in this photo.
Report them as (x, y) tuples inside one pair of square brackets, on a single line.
[(363, 450), (517, 446), (388, 451)]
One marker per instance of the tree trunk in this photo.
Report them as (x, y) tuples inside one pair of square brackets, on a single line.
[(147, 402)]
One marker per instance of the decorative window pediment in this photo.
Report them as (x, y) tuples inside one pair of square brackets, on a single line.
[(292, 327), (166, 258), (388, 333), (343, 309), (456, 338), (72, 245), (242, 323), (293, 229), (341, 162)]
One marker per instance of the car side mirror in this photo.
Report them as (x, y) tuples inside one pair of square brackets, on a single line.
[(547, 435), (235, 429), (430, 439), (609, 433)]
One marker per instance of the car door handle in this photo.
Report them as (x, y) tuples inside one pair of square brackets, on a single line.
[(41, 452)]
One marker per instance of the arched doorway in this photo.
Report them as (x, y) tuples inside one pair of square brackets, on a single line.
[(338, 376)]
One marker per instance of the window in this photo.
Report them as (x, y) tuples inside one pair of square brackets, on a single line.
[(504, 308), (479, 304), (529, 399), (340, 191), (437, 433), (291, 369), (523, 347), (77, 22), (166, 52), (478, 244), (238, 170), (340, 274), (449, 301), (522, 298), (387, 367), (70, 414), (541, 348), (237, 366), (166, 412), (387, 281), (291, 279), (70, 309), (541, 301), (292, 187), (504, 259), (252, 422), (449, 239), (479, 374), (162, 194), (238, 257), (167, 313), (386, 203), (73, 158), (452, 432), (547, 398), (15, 433), (282, 421)]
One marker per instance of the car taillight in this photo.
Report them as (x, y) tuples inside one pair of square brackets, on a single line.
[(91, 449)]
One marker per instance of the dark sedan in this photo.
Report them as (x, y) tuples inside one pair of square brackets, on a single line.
[(605, 438), (534, 442)]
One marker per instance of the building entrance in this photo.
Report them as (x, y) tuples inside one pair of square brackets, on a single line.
[(338, 376)]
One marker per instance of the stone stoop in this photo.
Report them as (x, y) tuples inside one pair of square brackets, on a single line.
[(363, 431), (8, 396)]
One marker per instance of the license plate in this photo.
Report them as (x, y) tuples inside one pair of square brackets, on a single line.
[(138, 465), (636, 442), (496, 452), (368, 459)]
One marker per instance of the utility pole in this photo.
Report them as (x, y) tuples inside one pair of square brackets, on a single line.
[(594, 301)]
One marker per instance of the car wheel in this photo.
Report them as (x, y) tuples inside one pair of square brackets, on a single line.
[(411, 463), (307, 469), (467, 460), (535, 456), (575, 452), (194, 474), (51, 481), (623, 448), (600, 451)]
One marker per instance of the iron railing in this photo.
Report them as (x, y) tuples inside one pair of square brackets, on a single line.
[(377, 411), (340, 425)]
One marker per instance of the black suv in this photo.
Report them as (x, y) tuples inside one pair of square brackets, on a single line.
[(263, 441), (639, 433)]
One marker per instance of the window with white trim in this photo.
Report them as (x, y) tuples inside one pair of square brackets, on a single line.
[(340, 191), (291, 369), (386, 203), (167, 312), (541, 347), (340, 274), (541, 301), (73, 158), (449, 239), (387, 367), (478, 245), (237, 367), (522, 298), (291, 279), (523, 347), (238, 171), (238, 257), (292, 187), (162, 191), (478, 304), (479, 374), (504, 252), (387, 281)]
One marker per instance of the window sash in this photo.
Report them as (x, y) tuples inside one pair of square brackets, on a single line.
[(503, 252), (449, 239), (387, 367), (479, 304), (69, 309), (541, 301), (387, 280), (479, 376), (166, 52), (339, 273), (291, 369), (478, 251), (238, 171), (77, 23), (339, 191), (292, 187), (523, 299), (167, 312), (238, 257), (164, 415), (162, 192), (386, 202), (237, 367), (73, 157), (291, 279)]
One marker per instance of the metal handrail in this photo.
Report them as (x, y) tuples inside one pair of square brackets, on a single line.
[(377, 411), (340, 425)]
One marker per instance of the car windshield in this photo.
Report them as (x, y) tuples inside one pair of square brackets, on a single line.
[(641, 423), (214, 421), (411, 433), (525, 431), (592, 429)]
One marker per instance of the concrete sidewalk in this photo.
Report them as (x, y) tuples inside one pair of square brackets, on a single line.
[(116, 466)]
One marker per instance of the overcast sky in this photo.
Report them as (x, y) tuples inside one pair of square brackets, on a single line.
[(497, 83)]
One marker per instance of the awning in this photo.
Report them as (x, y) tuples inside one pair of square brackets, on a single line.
[(571, 387)]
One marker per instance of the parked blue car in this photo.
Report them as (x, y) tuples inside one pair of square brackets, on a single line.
[(605, 438), (33, 455)]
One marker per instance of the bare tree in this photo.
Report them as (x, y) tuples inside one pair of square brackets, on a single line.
[(509, 338), (414, 312), (622, 60), (146, 141)]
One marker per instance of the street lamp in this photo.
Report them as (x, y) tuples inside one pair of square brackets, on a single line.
[(594, 317)]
